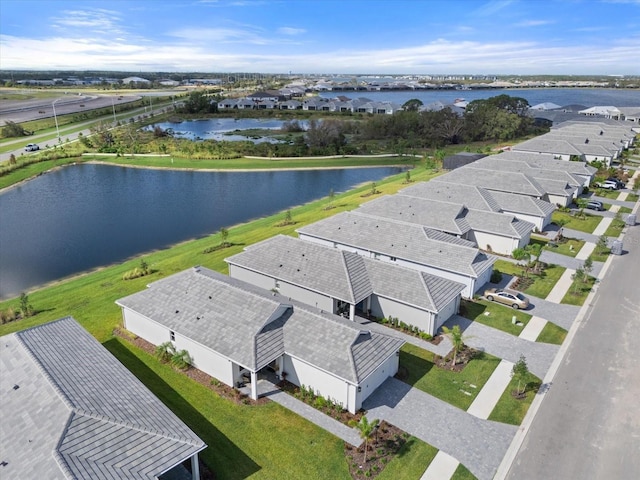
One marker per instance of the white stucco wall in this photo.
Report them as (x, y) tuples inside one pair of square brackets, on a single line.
[(445, 313), (497, 243), (385, 307), (539, 221), (483, 278), (558, 199), (151, 331), (368, 385)]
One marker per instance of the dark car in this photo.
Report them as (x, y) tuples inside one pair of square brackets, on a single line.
[(617, 181), (595, 205)]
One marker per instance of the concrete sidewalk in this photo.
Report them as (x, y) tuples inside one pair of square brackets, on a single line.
[(532, 329), (491, 392), (586, 250), (561, 287), (602, 226), (442, 467)]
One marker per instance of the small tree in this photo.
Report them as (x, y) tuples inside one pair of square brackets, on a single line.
[(457, 340), (522, 255), (587, 266), (520, 371), (366, 430), (602, 246), (25, 307), (12, 159), (407, 177), (373, 188), (534, 250), (144, 266), (224, 236), (581, 203), (579, 277), (287, 217)]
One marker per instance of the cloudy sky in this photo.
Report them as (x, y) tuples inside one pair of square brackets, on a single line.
[(324, 36)]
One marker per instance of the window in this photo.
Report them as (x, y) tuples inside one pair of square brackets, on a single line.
[(172, 336)]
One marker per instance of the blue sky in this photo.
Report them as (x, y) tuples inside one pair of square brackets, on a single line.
[(324, 36)]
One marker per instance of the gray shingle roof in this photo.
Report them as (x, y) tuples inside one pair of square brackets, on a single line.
[(334, 272), (406, 241), (470, 195), (320, 339), (499, 223), (444, 216), (385, 279), (79, 413), (512, 182), (540, 173), (546, 162), (511, 202)]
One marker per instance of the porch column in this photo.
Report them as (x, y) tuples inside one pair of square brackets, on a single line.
[(352, 312), (195, 468), (254, 385)]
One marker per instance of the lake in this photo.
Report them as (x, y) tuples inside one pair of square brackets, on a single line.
[(84, 216), (560, 96)]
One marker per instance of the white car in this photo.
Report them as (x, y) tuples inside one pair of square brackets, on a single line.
[(31, 147)]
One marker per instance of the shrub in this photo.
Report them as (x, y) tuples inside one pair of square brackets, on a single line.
[(426, 336), (165, 351), (25, 307), (181, 359), (8, 315), (496, 276)]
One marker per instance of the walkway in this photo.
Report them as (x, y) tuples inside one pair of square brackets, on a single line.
[(561, 287), (491, 392), (602, 226), (340, 430), (533, 329), (506, 346), (443, 426), (442, 467)]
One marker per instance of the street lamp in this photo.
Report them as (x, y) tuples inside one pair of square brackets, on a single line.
[(55, 117), (113, 105)]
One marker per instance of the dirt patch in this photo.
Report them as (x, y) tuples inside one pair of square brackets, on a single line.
[(463, 357)]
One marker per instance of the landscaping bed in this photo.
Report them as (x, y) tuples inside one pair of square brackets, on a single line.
[(535, 284)]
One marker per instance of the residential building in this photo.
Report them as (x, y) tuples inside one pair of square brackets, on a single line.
[(72, 410), (346, 283), (237, 332)]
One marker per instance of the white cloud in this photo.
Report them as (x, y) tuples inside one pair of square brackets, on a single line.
[(534, 23), (291, 31), (98, 20)]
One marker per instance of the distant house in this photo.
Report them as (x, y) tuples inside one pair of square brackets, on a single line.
[(237, 332), (492, 231), (347, 284), (404, 244), (72, 410)]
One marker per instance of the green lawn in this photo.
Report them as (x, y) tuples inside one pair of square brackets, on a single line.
[(567, 246), (511, 410), (625, 210), (632, 197), (598, 256), (606, 193), (615, 229), (446, 385), (494, 315), (542, 284), (587, 224), (463, 473), (578, 292), (552, 333)]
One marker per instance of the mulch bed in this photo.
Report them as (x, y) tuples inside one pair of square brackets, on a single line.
[(382, 448), (463, 357)]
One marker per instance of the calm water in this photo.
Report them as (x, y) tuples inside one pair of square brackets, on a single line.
[(85, 216), (560, 96), (219, 128)]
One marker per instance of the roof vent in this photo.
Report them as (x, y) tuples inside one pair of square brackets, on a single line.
[(586, 140), (210, 297), (601, 132), (16, 387), (177, 311), (3, 464)]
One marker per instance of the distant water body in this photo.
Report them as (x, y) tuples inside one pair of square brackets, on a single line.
[(588, 97)]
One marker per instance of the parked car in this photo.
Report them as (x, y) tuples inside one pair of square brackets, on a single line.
[(31, 147), (508, 297), (595, 205), (617, 181), (608, 185)]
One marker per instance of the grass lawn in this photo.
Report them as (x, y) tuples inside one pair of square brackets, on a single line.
[(542, 284), (587, 224), (499, 316), (632, 197), (567, 246), (578, 292), (598, 256), (606, 193), (446, 385), (511, 410), (463, 473), (615, 229), (552, 333), (412, 460), (625, 210)]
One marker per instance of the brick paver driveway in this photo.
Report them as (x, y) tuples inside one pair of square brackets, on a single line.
[(477, 444)]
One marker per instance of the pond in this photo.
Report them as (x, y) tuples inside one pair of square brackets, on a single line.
[(229, 129), (85, 216)]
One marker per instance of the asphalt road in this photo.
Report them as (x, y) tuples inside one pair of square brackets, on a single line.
[(588, 426)]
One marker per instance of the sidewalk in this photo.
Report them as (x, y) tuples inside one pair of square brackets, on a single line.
[(491, 392), (442, 467), (602, 226), (586, 250), (532, 329), (561, 287)]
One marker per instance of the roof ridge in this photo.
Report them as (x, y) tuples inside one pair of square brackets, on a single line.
[(427, 289), (352, 359), (343, 258)]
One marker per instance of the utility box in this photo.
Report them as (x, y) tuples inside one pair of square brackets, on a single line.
[(616, 248), (631, 219)]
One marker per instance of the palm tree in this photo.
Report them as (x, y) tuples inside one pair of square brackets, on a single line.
[(457, 340), (224, 235), (366, 430), (534, 250), (522, 254)]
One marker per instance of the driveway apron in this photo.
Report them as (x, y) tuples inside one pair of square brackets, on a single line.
[(477, 444)]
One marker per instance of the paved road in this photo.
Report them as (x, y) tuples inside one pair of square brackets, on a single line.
[(588, 426)]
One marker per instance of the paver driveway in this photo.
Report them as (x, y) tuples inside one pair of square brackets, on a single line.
[(477, 444)]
